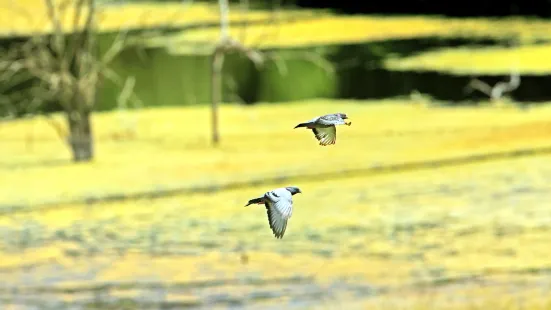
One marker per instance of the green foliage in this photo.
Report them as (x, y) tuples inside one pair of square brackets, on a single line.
[(174, 79), (297, 76)]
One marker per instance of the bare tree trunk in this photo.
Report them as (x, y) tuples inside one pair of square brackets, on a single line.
[(216, 68), (65, 68), (225, 44), (81, 103), (80, 137), (216, 92)]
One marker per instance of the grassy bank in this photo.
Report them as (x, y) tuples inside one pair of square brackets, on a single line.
[(165, 148)]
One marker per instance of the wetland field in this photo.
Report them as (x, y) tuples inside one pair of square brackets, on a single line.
[(416, 207)]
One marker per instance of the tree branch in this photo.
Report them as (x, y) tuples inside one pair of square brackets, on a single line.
[(60, 67), (58, 43), (225, 44), (499, 89)]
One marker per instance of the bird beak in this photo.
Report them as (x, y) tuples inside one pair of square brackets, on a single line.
[(348, 123)]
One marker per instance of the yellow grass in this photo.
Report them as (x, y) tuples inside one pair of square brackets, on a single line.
[(394, 231), (170, 147), (338, 30), (31, 16), (473, 236), (530, 59)]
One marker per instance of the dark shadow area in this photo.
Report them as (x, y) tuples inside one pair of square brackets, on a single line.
[(362, 75), (465, 8), (382, 83), (448, 87), (240, 79)]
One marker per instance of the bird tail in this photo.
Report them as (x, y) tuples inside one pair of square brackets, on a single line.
[(255, 201), (301, 125)]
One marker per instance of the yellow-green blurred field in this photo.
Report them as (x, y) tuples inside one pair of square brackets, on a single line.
[(28, 17), (459, 236), (329, 29), (171, 146), (281, 28), (527, 59)]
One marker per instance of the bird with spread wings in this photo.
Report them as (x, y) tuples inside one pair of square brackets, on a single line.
[(324, 127), (279, 206)]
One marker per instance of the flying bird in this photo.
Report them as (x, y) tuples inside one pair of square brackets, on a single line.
[(324, 127), (279, 207)]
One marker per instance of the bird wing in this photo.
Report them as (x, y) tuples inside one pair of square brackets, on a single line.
[(326, 136), (311, 122), (330, 119), (279, 207)]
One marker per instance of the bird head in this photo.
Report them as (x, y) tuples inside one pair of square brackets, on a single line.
[(343, 115), (293, 190)]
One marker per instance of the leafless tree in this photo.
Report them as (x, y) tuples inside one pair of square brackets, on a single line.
[(228, 44), (62, 67), (225, 44)]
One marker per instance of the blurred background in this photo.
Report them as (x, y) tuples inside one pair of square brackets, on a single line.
[(132, 133)]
